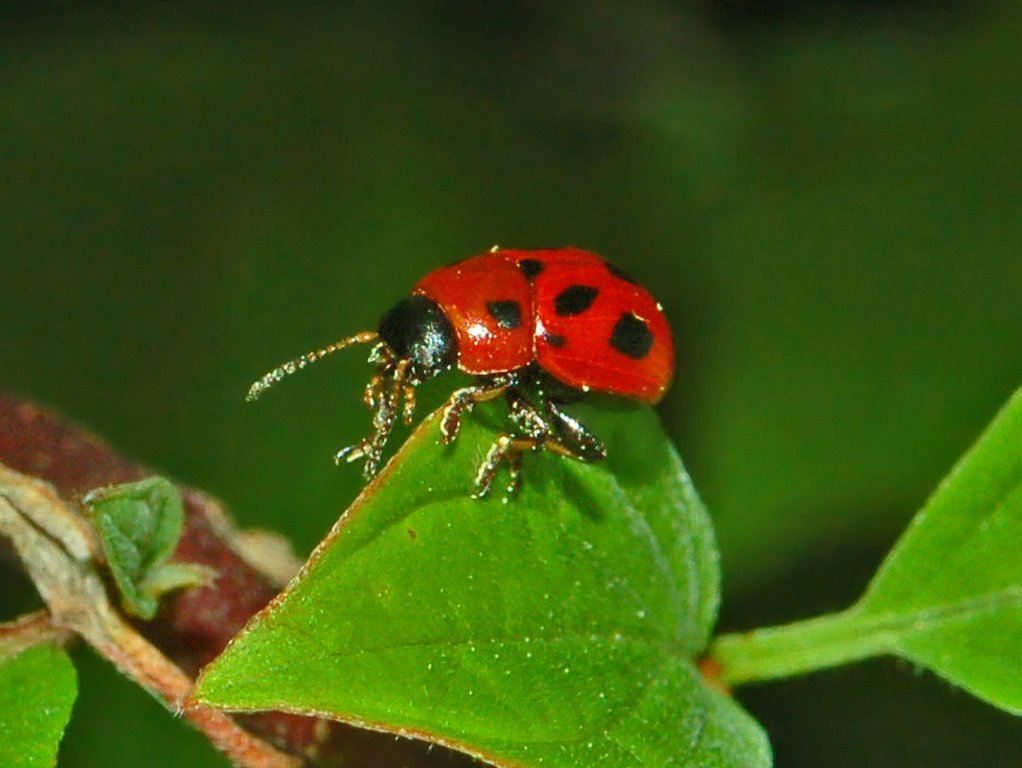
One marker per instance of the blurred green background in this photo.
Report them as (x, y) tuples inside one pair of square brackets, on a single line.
[(827, 198)]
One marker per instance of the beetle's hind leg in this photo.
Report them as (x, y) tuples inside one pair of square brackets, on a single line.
[(506, 448), (555, 430), (548, 428), (574, 438)]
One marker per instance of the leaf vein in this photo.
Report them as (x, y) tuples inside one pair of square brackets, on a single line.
[(900, 624)]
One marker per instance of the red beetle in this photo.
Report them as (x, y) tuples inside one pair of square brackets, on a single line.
[(540, 328)]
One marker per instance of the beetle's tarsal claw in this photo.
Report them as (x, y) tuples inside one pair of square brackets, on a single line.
[(350, 453)]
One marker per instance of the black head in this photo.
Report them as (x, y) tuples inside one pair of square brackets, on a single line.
[(416, 329)]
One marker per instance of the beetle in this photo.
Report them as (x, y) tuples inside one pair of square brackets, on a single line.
[(540, 328)]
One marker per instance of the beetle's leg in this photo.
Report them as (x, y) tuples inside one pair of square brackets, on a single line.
[(514, 471), (383, 358), (371, 447), (374, 391), (383, 426), (574, 437), (527, 418), (505, 448), (387, 401), (463, 400), (409, 409), (381, 355), (559, 432), (532, 433), (550, 429)]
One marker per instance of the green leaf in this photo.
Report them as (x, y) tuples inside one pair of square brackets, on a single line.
[(139, 525), (951, 590), (37, 689), (948, 597), (556, 629)]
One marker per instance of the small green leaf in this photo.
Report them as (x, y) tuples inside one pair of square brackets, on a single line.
[(139, 525), (951, 590), (37, 690), (171, 577), (557, 629), (948, 597)]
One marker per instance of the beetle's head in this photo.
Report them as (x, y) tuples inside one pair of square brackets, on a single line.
[(416, 329), (415, 342)]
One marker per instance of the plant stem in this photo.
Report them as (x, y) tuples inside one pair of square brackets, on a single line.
[(800, 647), (77, 601), (28, 631)]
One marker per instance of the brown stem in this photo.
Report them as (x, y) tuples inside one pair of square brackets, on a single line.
[(142, 662), (193, 626), (56, 552), (28, 631)]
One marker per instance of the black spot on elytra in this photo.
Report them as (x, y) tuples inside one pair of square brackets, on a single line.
[(575, 299), (554, 340), (508, 314), (619, 273), (631, 336), (530, 268)]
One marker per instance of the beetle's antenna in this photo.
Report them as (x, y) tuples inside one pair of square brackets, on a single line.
[(267, 381)]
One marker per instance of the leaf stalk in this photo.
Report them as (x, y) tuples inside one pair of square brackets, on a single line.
[(800, 647)]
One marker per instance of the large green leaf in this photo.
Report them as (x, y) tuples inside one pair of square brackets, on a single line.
[(37, 689), (556, 629), (948, 597)]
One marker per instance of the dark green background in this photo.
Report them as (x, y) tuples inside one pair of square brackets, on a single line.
[(826, 197)]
